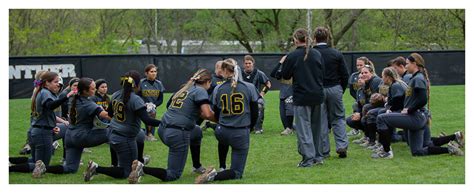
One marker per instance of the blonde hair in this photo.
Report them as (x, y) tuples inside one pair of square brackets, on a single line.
[(200, 77), (392, 73), (231, 66)]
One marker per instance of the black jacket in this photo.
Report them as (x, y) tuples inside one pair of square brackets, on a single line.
[(335, 72), (307, 76)]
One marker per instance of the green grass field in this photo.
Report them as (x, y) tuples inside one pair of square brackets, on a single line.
[(272, 158)]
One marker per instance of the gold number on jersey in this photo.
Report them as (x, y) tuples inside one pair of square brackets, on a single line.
[(119, 110), (178, 101), (235, 103)]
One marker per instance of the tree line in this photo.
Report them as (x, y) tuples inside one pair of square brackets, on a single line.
[(117, 31)]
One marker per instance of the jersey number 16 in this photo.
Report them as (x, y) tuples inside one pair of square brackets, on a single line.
[(232, 105)]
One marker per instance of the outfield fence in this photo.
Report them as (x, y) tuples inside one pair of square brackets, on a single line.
[(445, 67)]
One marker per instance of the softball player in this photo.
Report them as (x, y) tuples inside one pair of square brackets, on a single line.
[(413, 117), (394, 89), (178, 126), (354, 85), (286, 99), (235, 104), (399, 64), (127, 110), (152, 93), (81, 132), (371, 86), (43, 123), (335, 82), (256, 77)]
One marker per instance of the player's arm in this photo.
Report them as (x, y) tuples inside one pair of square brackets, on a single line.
[(253, 113), (206, 112), (143, 115)]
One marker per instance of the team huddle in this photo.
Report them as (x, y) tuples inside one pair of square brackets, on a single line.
[(231, 101)]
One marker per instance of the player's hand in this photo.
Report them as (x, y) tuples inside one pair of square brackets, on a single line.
[(262, 94), (56, 130), (66, 123), (73, 92), (282, 59), (405, 111), (355, 117)]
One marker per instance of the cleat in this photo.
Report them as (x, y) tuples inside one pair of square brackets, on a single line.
[(199, 170), (342, 152), (56, 145), (39, 170), (442, 134), (459, 138), (287, 131), (26, 149), (361, 140), (90, 171), (454, 149), (146, 159), (87, 150), (137, 172), (259, 132), (383, 155), (207, 176), (353, 132)]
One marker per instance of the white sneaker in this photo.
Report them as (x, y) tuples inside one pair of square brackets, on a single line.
[(56, 145), (459, 138), (199, 170), (287, 131), (353, 132), (137, 172), (146, 159), (208, 176), (454, 149), (39, 170), (90, 171)]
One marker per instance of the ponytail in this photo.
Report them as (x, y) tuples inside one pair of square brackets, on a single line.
[(73, 111), (129, 81), (191, 81), (44, 77)]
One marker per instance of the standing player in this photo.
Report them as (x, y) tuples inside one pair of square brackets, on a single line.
[(43, 123), (286, 99), (81, 132), (152, 93), (335, 83), (235, 105), (262, 83), (305, 66), (127, 110), (178, 126), (413, 117)]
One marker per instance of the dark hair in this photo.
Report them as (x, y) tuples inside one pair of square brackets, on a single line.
[(399, 61), (302, 36), (149, 67), (45, 77), (129, 80), (82, 87), (249, 57), (200, 77), (420, 62), (321, 34), (72, 81), (97, 85)]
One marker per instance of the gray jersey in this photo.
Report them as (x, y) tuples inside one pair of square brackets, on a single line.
[(151, 91), (234, 107), (353, 87), (86, 110), (417, 81), (406, 77), (101, 101), (256, 77), (43, 116), (185, 110), (397, 89), (286, 90), (372, 86), (125, 121)]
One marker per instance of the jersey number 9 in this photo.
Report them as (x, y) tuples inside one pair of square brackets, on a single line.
[(119, 110), (235, 103)]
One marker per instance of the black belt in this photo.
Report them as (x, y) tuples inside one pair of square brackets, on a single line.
[(232, 127), (43, 127), (177, 127), (118, 133)]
